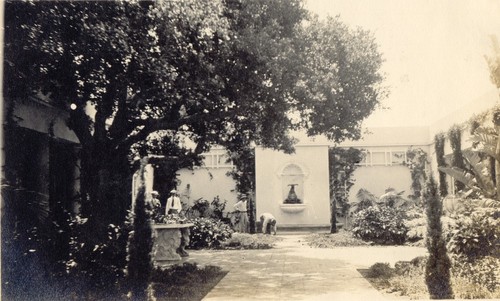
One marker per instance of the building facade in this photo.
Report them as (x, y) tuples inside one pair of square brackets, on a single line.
[(384, 164)]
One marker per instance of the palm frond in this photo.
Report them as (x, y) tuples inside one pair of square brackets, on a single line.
[(460, 175), (364, 199), (486, 203), (481, 173), (365, 195), (488, 139)]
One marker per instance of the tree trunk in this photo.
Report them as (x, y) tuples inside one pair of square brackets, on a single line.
[(105, 191), (333, 219), (251, 214)]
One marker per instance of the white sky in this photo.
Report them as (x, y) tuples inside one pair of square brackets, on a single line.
[(433, 49)]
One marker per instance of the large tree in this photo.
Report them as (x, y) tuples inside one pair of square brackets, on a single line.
[(341, 84), (186, 73)]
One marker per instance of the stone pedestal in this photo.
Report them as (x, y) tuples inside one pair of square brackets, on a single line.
[(170, 241)]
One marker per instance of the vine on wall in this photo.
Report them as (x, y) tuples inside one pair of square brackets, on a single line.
[(342, 164), (457, 160), (416, 160)]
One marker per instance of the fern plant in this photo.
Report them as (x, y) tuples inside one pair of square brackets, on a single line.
[(364, 199)]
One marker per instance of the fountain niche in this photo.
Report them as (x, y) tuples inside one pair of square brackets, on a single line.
[(292, 196), (292, 181)]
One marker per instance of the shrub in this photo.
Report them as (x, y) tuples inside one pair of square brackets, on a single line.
[(437, 269), (204, 208), (416, 223), (200, 208), (208, 233), (465, 289), (218, 208), (476, 233), (380, 224), (484, 271), (411, 283), (250, 241), (467, 283), (380, 270), (102, 263)]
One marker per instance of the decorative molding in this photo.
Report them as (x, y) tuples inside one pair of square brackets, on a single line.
[(305, 171)]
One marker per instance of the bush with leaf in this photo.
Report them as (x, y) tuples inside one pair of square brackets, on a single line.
[(204, 208), (468, 281), (380, 224), (380, 270), (208, 233), (484, 271), (417, 228), (477, 233), (200, 208), (83, 261)]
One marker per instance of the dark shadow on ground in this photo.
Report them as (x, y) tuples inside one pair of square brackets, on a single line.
[(380, 284), (187, 284)]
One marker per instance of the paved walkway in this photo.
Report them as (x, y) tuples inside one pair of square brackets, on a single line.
[(294, 271)]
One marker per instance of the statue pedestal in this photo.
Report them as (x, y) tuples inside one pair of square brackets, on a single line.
[(170, 241)]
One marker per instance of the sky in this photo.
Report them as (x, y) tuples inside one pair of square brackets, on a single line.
[(434, 52)]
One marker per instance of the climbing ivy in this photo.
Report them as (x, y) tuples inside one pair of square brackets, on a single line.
[(342, 164), (455, 137), (416, 160)]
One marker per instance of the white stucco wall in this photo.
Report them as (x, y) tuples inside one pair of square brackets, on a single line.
[(313, 189), (382, 169), (376, 179), (207, 183)]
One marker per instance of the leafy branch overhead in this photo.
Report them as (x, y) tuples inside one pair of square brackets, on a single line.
[(215, 73), (173, 78)]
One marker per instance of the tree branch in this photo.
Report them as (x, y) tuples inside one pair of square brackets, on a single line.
[(152, 125)]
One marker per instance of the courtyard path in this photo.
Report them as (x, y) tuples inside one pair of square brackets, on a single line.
[(294, 271)]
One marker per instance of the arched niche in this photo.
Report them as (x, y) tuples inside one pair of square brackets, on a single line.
[(292, 177)]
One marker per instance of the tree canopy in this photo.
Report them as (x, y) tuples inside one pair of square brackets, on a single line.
[(226, 72), (173, 78)]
